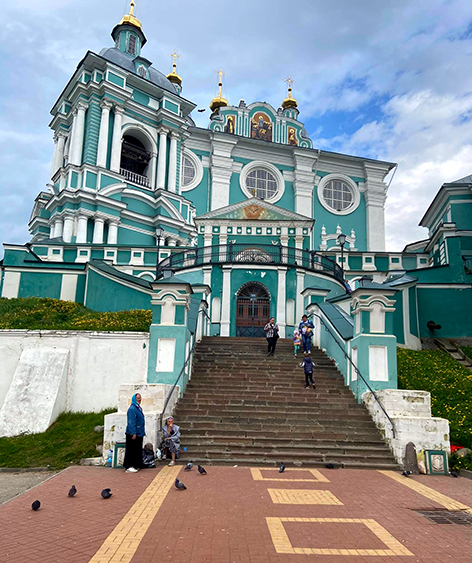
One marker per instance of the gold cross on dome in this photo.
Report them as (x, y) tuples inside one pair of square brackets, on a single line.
[(220, 74), (174, 57), (289, 81)]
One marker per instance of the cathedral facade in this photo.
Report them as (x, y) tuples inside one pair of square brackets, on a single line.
[(245, 216)]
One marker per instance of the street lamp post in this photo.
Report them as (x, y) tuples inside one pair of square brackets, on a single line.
[(159, 233), (342, 241)]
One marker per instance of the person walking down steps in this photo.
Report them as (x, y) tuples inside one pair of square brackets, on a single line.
[(308, 366), (272, 334)]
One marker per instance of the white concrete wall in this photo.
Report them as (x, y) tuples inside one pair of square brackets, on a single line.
[(410, 412), (99, 362)]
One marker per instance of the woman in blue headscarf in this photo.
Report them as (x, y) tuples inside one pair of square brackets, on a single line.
[(135, 431)]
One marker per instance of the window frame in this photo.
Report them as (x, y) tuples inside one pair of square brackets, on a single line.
[(198, 171), (268, 167), (356, 196)]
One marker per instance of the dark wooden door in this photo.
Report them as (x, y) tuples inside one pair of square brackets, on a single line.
[(252, 310)]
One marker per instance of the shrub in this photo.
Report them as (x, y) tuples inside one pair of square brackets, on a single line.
[(450, 386), (35, 313)]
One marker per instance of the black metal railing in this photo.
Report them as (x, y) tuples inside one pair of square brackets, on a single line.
[(252, 254), (188, 361), (353, 365)]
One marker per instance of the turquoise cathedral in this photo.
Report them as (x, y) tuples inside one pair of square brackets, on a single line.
[(217, 229)]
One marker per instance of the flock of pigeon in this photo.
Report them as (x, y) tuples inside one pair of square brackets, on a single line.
[(179, 485), (106, 493)]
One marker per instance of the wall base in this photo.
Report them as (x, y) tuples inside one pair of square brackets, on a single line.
[(410, 412)]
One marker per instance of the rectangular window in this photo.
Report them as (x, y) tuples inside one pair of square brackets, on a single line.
[(56, 251)]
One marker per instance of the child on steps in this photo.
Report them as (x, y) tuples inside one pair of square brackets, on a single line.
[(297, 340), (308, 366)]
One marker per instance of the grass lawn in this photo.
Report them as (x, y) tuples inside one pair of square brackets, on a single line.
[(65, 443), (34, 313), (450, 386)]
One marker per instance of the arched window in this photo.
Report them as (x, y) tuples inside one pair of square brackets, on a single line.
[(134, 156), (261, 183), (188, 171), (132, 44)]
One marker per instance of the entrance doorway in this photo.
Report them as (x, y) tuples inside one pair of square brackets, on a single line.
[(252, 309)]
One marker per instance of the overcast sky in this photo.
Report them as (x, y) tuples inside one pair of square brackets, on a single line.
[(388, 80)]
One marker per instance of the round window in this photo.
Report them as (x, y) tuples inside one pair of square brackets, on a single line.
[(188, 171), (261, 183), (338, 195)]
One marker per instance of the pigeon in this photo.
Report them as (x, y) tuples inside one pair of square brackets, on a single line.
[(36, 505), (189, 466), (454, 473), (282, 467), (179, 485), (330, 466), (106, 493), (202, 470), (407, 473), (72, 491), (201, 110)]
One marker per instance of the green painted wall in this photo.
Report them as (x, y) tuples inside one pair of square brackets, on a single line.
[(92, 128), (104, 294), (38, 284)]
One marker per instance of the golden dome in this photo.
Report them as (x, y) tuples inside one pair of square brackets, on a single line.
[(173, 76), (219, 101), (289, 102), (130, 18)]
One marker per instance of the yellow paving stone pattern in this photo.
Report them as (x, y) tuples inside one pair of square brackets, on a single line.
[(121, 545), (257, 475), (303, 496), (282, 542), (427, 492)]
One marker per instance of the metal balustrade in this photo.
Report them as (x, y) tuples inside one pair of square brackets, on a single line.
[(135, 178), (252, 254)]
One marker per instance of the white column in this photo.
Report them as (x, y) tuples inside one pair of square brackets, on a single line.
[(161, 162), (98, 225), (226, 302), (103, 135), (281, 299), (78, 131), (299, 302), (59, 143), (171, 183), (152, 170), (284, 242), (223, 242), (116, 139), (58, 228), (112, 233), (68, 228), (82, 221)]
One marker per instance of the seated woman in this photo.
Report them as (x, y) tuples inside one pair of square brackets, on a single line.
[(171, 440)]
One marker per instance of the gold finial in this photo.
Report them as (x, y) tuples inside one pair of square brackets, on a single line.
[(219, 101), (173, 76), (289, 101), (131, 18)]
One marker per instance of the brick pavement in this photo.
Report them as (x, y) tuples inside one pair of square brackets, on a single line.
[(333, 516)]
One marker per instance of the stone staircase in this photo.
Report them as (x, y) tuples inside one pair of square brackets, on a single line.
[(242, 407)]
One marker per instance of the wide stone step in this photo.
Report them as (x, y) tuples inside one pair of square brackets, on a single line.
[(364, 435), (281, 442), (185, 407), (289, 398)]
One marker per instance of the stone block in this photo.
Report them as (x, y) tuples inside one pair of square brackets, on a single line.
[(115, 426), (153, 397), (410, 412), (37, 393)]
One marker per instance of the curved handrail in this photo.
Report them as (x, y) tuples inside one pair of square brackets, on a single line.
[(182, 371), (245, 253), (326, 327)]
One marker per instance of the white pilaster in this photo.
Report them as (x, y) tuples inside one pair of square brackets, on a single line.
[(223, 241), (172, 176), (103, 135), (68, 228), (58, 158), (207, 236), (112, 233), (81, 229), (58, 227), (221, 169), (116, 139), (78, 129), (304, 181), (375, 195), (299, 302), (98, 226), (226, 303), (161, 159), (281, 300)]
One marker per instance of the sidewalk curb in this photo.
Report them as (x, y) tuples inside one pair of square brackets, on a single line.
[(465, 473), (25, 469)]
